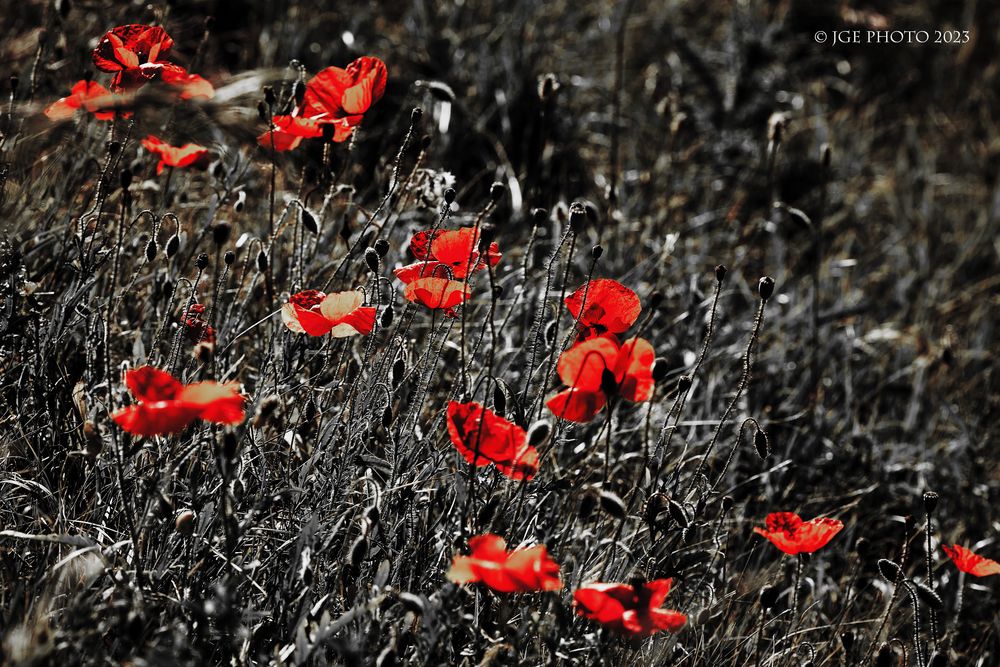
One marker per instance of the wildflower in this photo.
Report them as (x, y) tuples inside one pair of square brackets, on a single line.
[(335, 97), (188, 155), (339, 314), (633, 609), (167, 406), (90, 96), (788, 532), (454, 253), (598, 370), (603, 306), (198, 329), (518, 571), (483, 437), (134, 52), (970, 562)]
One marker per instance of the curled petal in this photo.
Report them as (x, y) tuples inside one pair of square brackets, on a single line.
[(577, 405), (437, 293)]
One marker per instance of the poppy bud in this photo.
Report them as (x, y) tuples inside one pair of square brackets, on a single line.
[(613, 505), (269, 96), (381, 247), (609, 383), (761, 444), (929, 597), (885, 655), (596, 252), (449, 196), (727, 503), (720, 273), (387, 417), (173, 245), (202, 261), (262, 261), (229, 257), (768, 596), (577, 216), (398, 369), (486, 236), (262, 111), (766, 288), (496, 192), (683, 383), (656, 299), (539, 433), (890, 570), (678, 514), (587, 504), (930, 501), (386, 319), (151, 250), (499, 398), (371, 259), (184, 521), (221, 233), (659, 369), (538, 215), (126, 178), (415, 115)]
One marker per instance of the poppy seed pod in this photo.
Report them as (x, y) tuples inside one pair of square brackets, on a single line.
[(496, 192), (229, 257), (596, 252), (371, 259), (202, 261), (221, 233), (486, 236), (309, 221), (720, 273), (683, 383), (930, 501), (538, 215), (577, 216), (173, 245), (659, 370), (381, 247), (765, 287), (449, 196), (539, 432), (761, 444), (151, 250), (415, 115)]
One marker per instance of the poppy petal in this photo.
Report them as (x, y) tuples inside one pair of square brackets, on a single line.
[(583, 365), (147, 383), (576, 405), (634, 370)]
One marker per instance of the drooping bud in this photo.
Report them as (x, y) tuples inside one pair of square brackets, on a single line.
[(151, 250), (761, 444), (371, 259), (309, 221), (173, 245)]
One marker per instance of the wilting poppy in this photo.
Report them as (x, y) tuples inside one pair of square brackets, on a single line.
[(603, 306), (438, 293), (335, 97), (198, 329), (87, 95), (134, 54), (788, 532), (632, 609), (450, 253), (970, 562), (167, 406), (601, 369), (518, 571), (483, 437), (188, 155), (339, 314)]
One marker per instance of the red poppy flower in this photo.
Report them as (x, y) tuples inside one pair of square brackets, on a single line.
[(336, 97), (167, 406), (970, 562), (198, 329), (188, 155), (438, 293), (791, 534), (603, 306), (518, 571), (600, 369), (483, 437), (339, 314), (134, 52), (87, 95), (447, 253), (629, 609)]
